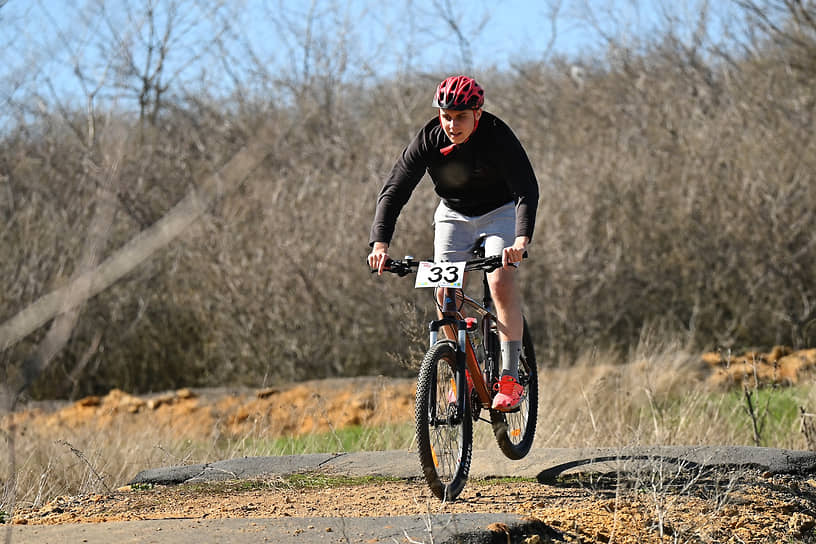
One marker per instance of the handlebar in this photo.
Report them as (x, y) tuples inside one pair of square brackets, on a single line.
[(409, 265), (400, 267)]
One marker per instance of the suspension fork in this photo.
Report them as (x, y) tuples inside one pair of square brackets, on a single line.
[(454, 328)]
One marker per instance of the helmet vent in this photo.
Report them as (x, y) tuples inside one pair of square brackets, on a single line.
[(459, 93)]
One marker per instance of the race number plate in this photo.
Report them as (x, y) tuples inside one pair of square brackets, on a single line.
[(440, 274)]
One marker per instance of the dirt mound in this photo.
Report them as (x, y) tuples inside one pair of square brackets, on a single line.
[(297, 409), (780, 366), (324, 405)]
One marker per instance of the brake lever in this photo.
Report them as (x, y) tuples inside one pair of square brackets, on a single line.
[(497, 263), (395, 267)]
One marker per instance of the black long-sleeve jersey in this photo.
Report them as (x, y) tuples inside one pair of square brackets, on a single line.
[(487, 171)]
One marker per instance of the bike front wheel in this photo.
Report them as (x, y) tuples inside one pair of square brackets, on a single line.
[(444, 432), (515, 431)]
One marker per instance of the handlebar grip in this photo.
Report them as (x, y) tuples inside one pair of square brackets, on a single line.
[(401, 268), (388, 262)]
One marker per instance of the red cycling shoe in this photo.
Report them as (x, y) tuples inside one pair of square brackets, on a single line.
[(509, 394)]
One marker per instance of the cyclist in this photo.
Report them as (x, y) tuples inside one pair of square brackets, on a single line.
[(487, 188)]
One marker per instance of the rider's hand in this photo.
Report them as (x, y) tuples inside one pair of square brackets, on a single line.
[(378, 256), (515, 253)]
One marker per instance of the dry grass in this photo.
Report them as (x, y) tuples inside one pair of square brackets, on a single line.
[(660, 397)]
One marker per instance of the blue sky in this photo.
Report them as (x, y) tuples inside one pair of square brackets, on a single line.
[(42, 41), (496, 32)]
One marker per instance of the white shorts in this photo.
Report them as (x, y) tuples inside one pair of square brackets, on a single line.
[(455, 234)]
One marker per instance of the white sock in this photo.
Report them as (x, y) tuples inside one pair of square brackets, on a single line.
[(510, 353)]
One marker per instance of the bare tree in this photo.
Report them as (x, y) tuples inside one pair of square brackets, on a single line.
[(321, 41), (791, 24), (158, 44)]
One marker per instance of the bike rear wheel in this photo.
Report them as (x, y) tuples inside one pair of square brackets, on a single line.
[(515, 431), (445, 442)]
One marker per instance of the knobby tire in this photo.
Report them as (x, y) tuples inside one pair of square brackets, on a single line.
[(515, 431), (444, 448)]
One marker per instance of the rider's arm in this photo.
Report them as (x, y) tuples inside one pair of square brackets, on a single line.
[(403, 178), (520, 177)]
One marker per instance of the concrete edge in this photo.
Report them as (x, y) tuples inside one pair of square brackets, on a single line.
[(544, 464)]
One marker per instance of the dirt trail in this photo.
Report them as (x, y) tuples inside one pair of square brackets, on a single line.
[(752, 510)]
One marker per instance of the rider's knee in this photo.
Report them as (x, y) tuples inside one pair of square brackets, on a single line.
[(502, 284)]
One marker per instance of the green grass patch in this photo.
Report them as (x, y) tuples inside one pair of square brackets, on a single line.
[(307, 480), (3, 517), (503, 480), (320, 481), (587, 480), (347, 440), (775, 409)]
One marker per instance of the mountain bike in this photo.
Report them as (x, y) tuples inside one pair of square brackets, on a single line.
[(458, 375)]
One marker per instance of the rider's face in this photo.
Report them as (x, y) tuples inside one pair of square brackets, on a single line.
[(459, 124)]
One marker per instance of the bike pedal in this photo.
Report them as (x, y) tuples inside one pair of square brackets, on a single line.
[(511, 411)]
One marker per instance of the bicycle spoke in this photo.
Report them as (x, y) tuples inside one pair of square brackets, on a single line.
[(445, 437)]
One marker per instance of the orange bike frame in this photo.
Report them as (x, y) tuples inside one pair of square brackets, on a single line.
[(452, 326)]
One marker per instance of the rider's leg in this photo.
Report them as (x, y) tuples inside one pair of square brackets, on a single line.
[(507, 301), (506, 294)]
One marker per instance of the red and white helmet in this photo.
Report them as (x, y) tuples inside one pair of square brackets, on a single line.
[(459, 93)]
